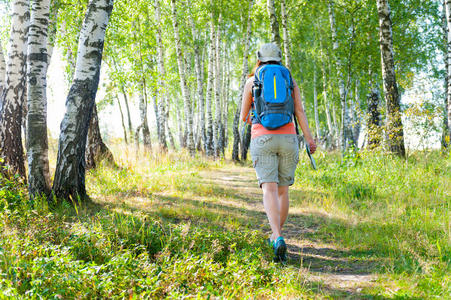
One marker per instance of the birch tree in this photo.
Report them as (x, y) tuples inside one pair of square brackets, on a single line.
[(330, 128), (37, 141), (144, 125), (445, 136), (447, 30), (183, 83), (218, 136), (275, 35), (315, 104), (356, 114), (392, 99), (200, 80), (225, 97), (341, 82), (236, 119), (162, 91), (123, 90), (182, 139), (286, 35), (70, 168), (122, 118), (96, 150), (209, 147), (373, 119), (246, 141), (2, 73), (12, 98)]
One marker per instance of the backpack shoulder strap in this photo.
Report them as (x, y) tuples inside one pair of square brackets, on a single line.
[(258, 72), (290, 84)]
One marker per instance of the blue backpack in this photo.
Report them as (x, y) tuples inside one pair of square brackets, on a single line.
[(273, 103)]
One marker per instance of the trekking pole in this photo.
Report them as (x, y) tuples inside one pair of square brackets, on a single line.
[(244, 126), (307, 147), (312, 160)]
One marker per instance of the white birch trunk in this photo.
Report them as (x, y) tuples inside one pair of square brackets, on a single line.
[(236, 120), (200, 80), (143, 99), (13, 96), (341, 83), (275, 35), (326, 100), (37, 141), (70, 168), (2, 73), (357, 114), (315, 104), (180, 127), (143, 114), (392, 99), (226, 101), (154, 96), (162, 91), (187, 65), (127, 108), (126, 103), (448, 71), (183, 83), (334, 119), (219, 141), (286, 34), (122, 119), (446, 131), (210, 132)]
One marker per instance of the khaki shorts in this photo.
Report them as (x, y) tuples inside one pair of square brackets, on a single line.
[(275, 157)]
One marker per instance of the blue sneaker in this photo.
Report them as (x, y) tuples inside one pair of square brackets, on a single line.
[(280, 249)]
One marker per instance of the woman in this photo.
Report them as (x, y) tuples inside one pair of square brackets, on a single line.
[(275, 153)]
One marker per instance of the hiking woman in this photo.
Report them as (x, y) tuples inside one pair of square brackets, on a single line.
[(275, 152)]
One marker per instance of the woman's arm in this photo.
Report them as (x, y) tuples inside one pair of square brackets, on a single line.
[(301, 117), (246, 101)]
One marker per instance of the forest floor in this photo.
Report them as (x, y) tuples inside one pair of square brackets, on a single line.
[(338, 271), (233, 194), (363, 226)]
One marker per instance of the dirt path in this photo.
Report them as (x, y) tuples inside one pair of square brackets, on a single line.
[(326, 263)]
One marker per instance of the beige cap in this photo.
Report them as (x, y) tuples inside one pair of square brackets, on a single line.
[(269, 52)]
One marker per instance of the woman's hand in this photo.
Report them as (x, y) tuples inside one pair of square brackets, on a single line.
[(312, 145)]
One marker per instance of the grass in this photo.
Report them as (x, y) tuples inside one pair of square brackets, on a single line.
[(397, 210), (158, 228)]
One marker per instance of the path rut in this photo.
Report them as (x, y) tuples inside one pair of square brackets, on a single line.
[(322, 262)]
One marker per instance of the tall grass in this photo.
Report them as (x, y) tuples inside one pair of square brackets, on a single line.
[(387, 207), (113, 248), (156, 228)]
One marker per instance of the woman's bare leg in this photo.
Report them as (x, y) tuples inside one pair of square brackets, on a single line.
[(272, 207), (283, 204)]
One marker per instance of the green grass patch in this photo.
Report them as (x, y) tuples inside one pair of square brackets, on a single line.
[(396, 209), (158, 229)]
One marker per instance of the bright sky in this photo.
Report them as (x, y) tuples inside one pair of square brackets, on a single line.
[(109, 118), (57, 90)]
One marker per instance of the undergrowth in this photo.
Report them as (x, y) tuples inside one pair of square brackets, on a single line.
[(109, 250), (395, 209), (156, 229)]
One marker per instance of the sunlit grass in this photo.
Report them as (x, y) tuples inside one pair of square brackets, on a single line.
[(157, 228), (390, 207)]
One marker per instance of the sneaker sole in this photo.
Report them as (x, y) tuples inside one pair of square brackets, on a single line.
[(281, 252)]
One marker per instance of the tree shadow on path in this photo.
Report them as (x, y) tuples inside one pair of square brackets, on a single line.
[(337, 268)]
